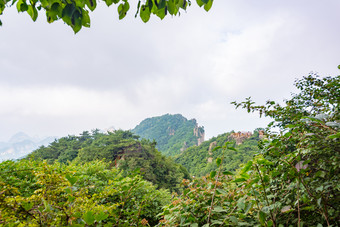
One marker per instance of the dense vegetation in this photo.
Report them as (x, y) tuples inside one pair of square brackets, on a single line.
[(173, 133), (292, 181), (200, 160), (35, 193), (122, 149)]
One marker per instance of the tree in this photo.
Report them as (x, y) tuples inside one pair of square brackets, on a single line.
[(75, 13), (294, 179)]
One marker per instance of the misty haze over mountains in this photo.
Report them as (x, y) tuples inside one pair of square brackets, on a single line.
[(21, 144)]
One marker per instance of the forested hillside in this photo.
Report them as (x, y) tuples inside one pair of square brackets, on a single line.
[(292, 180), (122, 149), (200, 160), (173, 133)]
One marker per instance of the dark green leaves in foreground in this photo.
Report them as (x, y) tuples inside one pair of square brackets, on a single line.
[(75, 13)]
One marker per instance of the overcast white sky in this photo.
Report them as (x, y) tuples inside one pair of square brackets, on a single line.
[(118, 73)]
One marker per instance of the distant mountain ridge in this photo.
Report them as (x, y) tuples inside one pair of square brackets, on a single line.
[(173, 133), (21, 144)]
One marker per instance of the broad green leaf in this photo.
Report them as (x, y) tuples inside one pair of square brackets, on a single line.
[(212, 174), (208, 6), (218, 162), (88, 217), (32, 11), (247, 167), (71, 179), (228, 173), (241, 204), (237, 180), (270, 223), (262, 217), (334, 136), (92, 4), (145, 13), (101, 216), (27, 205), (200, 3), (234, 220), (219, 209)]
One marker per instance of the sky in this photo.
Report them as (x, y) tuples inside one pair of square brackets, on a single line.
[(117, 73)]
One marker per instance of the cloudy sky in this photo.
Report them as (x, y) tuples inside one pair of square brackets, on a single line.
[(118, 73)]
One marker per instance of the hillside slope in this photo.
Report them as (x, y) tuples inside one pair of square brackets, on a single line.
[(122, 149), (200, 160), (173, 133)]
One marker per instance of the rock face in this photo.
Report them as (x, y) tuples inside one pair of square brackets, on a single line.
[(239, 137), (199, 133)]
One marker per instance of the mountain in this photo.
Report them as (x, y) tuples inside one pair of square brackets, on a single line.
[(201, 160), (173, 133), (20, 144)]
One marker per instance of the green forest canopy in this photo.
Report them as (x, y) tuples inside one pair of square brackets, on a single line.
[(173, 133), (122, 149), (75, 13)]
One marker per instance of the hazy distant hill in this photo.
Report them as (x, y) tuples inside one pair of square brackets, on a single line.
[(173, 133), (20, 144)]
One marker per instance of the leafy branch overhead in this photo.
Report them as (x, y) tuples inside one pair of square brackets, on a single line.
[(75, 13)]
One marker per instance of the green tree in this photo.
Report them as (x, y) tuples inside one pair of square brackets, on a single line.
[(75, 13), (293, 181)]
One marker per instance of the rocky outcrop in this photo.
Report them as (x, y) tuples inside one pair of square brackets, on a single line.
[(171, 131), (239, 137), (199, 133)]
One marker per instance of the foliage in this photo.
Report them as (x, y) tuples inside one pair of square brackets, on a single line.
[(293, 181), (172, 133), (94, 194), (195, 159), (75, 13), (121, 148)]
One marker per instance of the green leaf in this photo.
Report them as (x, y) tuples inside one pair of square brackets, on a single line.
[(334, 136), (216, 148), (123, 9), (92, 4), (200, 3), (145, 13), (88, 217), (219, 209), (101, 216), (218, 162), (262, 217), (227, 173), (240, 204), (237, 180), (212, 174), (22, 6), (27, 205), (234, 220), (208, 6), (71, 179), (32, 11), (172, 8), (247, 167), (270, 223)]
